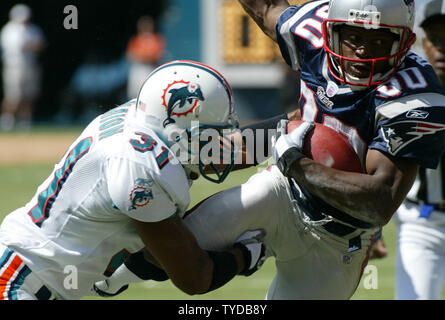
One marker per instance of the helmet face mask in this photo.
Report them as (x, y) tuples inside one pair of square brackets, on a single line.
[(206, 150), (183, 101), (369, 17)]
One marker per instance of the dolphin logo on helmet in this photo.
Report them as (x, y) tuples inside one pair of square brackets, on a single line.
[(179, 97), (185, 102)]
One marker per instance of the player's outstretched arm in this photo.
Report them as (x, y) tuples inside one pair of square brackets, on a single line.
[(136, 268), (192, 269), (142, 266), (372, 197), (251, 152), (265, 13)]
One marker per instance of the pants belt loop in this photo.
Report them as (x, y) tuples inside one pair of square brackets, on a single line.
[(43, 293), (355, 244)]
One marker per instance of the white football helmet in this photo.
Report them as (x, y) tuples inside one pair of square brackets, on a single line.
[(181, 101), (394, 15)]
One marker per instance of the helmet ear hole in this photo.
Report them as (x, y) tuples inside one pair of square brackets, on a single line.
[(196, 111)]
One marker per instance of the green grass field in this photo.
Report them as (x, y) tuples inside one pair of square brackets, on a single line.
[(18, 183)]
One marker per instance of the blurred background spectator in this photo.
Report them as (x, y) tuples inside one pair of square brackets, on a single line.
[(102, 63), (96, 85), (21, 43), (144, 52), (420, 220)]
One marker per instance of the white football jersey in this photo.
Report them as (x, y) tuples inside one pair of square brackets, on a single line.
[(79, 220)]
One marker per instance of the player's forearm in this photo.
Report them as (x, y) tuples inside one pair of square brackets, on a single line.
[(253, 142), (141, 266), (265, 13), (215, 269), (236, 253), (362, 196)]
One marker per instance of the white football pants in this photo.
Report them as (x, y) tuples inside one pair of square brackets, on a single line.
[(420, 260), (311, 262)]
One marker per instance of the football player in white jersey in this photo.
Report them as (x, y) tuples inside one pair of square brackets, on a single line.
[(359, 78), (123, 186), (420, 220)]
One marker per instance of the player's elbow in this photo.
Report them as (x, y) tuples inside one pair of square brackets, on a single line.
[(379, 207), (378, 216), (384, 210), (189, 288), (384, 216), (193, 288), (382, 219), (197, 278)]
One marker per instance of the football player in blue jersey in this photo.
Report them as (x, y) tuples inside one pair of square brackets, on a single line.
[(359, 77), (420, 220)]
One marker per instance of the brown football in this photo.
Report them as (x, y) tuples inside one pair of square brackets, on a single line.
[(328, 147)]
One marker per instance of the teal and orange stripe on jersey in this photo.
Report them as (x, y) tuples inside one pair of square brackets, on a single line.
[(40, 212), (204, 67), (13, 273)]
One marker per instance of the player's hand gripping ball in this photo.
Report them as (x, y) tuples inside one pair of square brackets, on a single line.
[(297, 139)]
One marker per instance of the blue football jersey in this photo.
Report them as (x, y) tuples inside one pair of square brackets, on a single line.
[(403, 117)]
